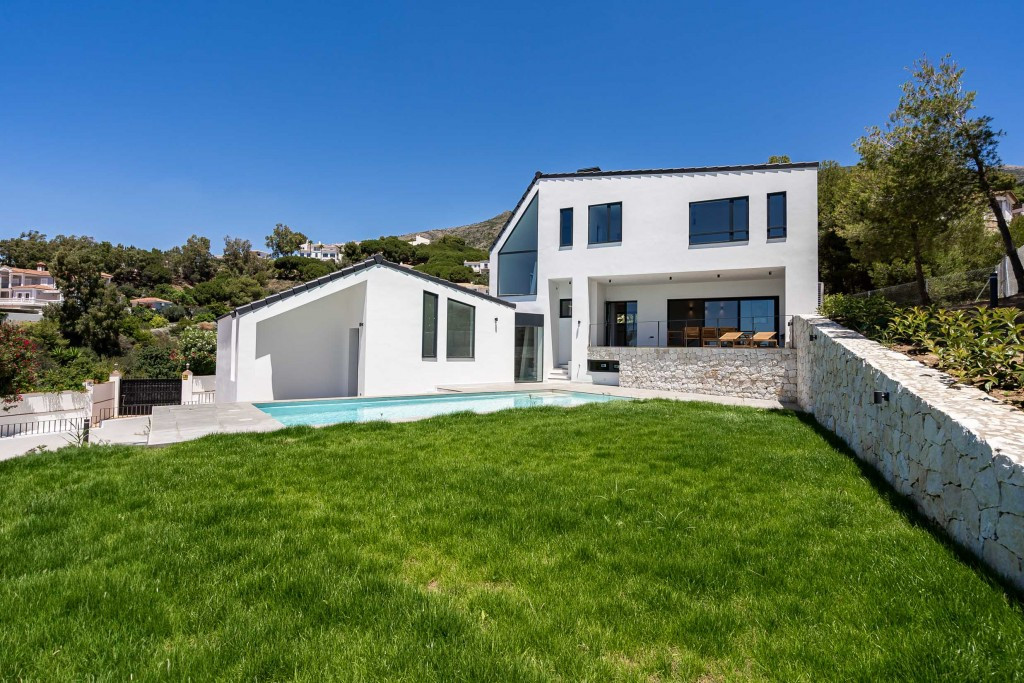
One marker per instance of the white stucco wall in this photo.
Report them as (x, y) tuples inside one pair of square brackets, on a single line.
[(299, 347), (393, 339), (655, 240)]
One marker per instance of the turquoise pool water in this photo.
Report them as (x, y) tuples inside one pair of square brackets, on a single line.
[(325, 412)]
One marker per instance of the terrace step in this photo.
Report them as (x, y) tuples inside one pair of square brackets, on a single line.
[(559, 374)]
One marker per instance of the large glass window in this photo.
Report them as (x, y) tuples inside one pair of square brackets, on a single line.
[(461, 329), (776, 214), (605, 223), (517, 258), (429, 344), (721, 220), (565, 228)]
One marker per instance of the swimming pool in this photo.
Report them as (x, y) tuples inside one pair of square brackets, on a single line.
[(400, 408)]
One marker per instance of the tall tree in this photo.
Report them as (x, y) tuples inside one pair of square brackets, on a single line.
[(284, 241), (91, 311), (909, 189), (193, 261), (779, 159), (838, 269), (240, 259), (940, 98), (26, 250)]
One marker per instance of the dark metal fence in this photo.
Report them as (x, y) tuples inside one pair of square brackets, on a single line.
[(68, 425), (138, 396)]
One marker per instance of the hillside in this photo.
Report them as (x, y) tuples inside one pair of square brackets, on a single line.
[(479, 235), (1016, 171)]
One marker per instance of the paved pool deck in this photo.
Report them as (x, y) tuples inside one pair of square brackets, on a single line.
[(173, 424)]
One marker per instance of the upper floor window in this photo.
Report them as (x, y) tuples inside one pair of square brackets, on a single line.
[(565, 228), (605, 223), (517, 258), (776, 214), (720, 220)]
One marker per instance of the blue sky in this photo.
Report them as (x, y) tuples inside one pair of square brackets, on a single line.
[(144, 122)]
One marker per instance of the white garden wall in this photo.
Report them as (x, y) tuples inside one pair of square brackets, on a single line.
[(954, 451)]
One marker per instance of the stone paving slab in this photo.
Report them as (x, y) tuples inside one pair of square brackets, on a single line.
[(171, 424)]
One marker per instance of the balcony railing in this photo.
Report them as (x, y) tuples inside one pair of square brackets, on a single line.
[(734, 332)]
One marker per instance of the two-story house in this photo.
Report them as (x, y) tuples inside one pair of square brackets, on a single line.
[(660, 257), (27, 289)]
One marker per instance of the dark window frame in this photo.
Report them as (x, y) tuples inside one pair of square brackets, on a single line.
[(781, 230), (562, 308), (448, 333), (590, 234), (779, 326), (732, 231), (504, 251), (423, 331), (561, 227)]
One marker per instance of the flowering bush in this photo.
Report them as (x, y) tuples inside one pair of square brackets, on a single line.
[(198, 349), (19, 363)]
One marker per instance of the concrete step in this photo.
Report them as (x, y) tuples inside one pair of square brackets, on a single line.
[(558, 374)]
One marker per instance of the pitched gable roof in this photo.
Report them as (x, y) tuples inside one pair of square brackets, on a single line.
[(372, 262)]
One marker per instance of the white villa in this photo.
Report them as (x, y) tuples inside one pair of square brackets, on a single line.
[(321, 251), (478, 267), (589, 263), (664, 257), (26, 289)]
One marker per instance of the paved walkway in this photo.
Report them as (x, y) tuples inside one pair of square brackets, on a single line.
[(171, 424)]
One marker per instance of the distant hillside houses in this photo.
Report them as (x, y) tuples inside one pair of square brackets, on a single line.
[(30, 290)]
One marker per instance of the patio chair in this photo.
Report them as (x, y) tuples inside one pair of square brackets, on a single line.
[(764, 338), (691, 334), (708, 335)]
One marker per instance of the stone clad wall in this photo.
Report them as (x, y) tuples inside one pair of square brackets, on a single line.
[(953, 450), (768, 374)]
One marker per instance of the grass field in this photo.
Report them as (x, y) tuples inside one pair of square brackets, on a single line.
[(625, 541)]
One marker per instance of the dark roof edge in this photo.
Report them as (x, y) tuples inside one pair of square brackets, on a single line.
[(375, 260), (691, 169), (650, 171)]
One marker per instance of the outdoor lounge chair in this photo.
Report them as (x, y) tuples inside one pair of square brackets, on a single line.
[(733, 338), (764, 338), (708, 335)]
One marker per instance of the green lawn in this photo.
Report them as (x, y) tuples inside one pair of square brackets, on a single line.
[(624, 541)]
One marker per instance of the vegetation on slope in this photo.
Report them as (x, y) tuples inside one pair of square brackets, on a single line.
[(625, 541)]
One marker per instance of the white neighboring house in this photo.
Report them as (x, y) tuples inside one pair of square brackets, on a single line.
[(375, 328), (27, 290), (478, 267), (648, 257), (418, 240), (1009, 206), (321, 251)]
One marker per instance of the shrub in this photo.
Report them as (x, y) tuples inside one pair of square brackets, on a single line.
[(198, 348), (158, 321), (19, 363), (868, 315), (152, 362), (175, 313)]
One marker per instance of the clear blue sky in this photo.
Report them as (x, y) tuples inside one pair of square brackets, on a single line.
[(143, 122)]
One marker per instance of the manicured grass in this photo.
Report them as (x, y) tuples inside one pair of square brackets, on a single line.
[(623, 541)]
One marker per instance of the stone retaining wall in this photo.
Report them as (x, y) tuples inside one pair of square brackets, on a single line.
[(953, 450), (768, 374)]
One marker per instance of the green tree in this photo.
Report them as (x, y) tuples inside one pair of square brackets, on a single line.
[(838, 269), (26, 250), (284, 241), (193, 262), (909, 189), (90, 314), (779, 159), (240, 259), (942, 100)]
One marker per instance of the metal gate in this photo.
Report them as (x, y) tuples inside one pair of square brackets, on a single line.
[(138, 396)]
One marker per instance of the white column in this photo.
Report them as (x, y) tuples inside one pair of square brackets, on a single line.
[(186, 387)]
